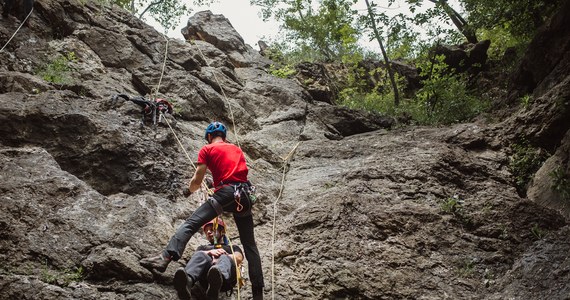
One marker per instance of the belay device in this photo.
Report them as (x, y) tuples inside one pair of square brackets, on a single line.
[(153, 110)]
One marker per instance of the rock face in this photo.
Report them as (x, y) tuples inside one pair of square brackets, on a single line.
[(218, 31), (364, 212), (544, 76), (467, 57), (547, 58)]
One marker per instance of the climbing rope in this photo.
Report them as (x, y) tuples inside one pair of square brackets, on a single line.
[(222, 89), (240, 283), (209, 191), (163, 67), (285, 165), (13, 35)]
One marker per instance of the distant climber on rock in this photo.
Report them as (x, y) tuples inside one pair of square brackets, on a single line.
[(153, 110), (233, 193), (212, 266)]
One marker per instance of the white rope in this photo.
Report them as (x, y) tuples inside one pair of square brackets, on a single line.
[(163, 67), (223, 93), (185, 152), (285, 164), (13, 35)]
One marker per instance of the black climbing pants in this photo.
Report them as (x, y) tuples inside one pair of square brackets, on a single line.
[(222, 200)]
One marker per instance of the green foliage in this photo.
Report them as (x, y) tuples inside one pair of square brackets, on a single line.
[(126, 4), (524, 163), (500, 39), (375, 101), (328, 30), (435, 20), (402, 40), (286, 71), (519, 19), (285, 53), (561, 183), (537, 232), (452, 205), (62, 277), (166, 12), (444, 98), (58, 70), (323, 29), (466, 269), (526, 100)]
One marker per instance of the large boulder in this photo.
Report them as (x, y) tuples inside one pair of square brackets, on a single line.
[(550, 186), (218, 31), (465, 57)]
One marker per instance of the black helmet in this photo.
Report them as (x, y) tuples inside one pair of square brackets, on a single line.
[(215, 127)]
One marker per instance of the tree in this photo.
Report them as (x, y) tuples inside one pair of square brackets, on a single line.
[(521, 18), (328, 26), (438, 21), (456, 18), (166, 12), (386, 60)]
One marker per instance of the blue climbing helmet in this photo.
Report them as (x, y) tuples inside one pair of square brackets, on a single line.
[(215, 127)]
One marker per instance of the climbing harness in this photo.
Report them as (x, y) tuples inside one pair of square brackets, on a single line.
[(249, 190), (237, 199), (240, 188)]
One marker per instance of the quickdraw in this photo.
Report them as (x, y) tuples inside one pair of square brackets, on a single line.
[(237, 198), (246, 188)]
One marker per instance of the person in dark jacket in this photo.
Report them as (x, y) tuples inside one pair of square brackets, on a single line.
[(212, 265)]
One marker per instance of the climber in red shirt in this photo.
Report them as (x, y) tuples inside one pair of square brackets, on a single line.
[(232, 193)]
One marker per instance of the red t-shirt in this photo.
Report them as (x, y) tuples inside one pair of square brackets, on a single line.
[(226, 162)]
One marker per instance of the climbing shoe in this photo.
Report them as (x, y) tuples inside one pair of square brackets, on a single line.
[(183, 284), (215, 281), (158, 263)]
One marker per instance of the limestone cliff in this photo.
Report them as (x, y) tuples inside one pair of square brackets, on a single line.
[(363, 209)]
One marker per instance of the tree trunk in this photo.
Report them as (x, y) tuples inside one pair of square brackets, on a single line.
[(149, 7), (459, 22), (386, 60)]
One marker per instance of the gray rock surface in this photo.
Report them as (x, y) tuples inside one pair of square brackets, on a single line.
[(363, 210)]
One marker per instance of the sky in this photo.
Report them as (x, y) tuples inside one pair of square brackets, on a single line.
[(242, 15), (246, 19)]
